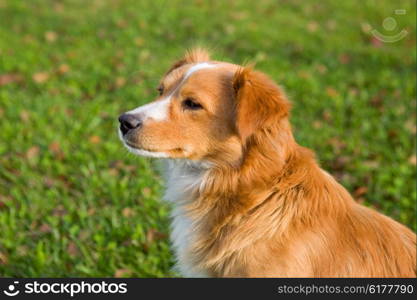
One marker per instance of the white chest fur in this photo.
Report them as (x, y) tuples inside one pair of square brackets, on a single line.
[(182, 177)]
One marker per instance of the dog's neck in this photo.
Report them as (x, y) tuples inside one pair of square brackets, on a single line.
[(269, 162)]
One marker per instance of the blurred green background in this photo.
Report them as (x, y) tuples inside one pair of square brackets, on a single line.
[(73, 202)]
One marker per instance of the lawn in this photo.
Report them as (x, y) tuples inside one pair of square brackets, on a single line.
[(73, 202)]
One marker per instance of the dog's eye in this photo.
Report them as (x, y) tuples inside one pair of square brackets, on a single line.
[(191, 104), (160, 90)]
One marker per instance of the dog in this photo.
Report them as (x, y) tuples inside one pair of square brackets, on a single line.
[(248, 201)]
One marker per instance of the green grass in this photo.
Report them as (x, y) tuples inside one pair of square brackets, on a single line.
[(73, 202)]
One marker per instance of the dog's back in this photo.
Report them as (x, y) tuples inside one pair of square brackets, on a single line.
[(378, 245)]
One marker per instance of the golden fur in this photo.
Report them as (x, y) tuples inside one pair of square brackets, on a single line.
[(264, 207)]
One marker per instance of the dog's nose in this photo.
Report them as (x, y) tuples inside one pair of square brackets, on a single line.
[(128, 122)]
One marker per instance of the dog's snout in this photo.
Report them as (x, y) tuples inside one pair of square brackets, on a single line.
[(129, 122)]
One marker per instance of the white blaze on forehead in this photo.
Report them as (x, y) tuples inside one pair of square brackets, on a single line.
[(158, 110), (195, 68)]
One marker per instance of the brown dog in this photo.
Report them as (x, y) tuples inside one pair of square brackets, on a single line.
[(248, 201)]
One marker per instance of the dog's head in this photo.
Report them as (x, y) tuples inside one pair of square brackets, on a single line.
[(205, 111)]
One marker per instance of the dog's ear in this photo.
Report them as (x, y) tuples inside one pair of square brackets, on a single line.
[(260, 103), (193, 55)]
